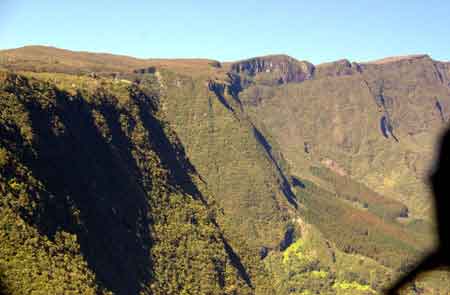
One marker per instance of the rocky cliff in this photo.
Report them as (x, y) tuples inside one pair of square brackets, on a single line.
[(280, 68)]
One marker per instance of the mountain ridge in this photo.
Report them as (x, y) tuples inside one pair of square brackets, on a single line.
[(381, 60)]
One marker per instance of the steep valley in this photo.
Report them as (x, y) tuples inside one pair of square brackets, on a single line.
[(263, 176)]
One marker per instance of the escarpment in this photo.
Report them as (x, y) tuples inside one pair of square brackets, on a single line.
[(277, 69)]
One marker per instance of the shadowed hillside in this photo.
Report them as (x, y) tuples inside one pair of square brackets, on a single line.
[(97, 196)]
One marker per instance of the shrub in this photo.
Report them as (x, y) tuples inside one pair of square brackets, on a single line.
[(3, 157)]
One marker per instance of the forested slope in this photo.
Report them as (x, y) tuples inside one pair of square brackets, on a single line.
[(262, 176), (98, 197)]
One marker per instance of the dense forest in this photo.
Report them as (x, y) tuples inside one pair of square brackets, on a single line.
[(130, 176)]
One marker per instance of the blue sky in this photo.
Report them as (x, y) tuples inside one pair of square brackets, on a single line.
[(230, 30)]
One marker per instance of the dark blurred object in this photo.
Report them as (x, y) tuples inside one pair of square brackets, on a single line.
[(440, 257)]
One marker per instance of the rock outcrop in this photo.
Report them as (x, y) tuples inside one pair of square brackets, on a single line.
[(341, 67), (280, 69)]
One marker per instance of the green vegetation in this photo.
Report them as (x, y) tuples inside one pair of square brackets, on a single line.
[(338, 113), (358, 231), (350, 190), (3, 158), (221, 144), (314, 265), (67, 225), (265, 176), (351, 286)]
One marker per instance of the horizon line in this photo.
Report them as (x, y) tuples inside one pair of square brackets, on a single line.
[(380, 59)]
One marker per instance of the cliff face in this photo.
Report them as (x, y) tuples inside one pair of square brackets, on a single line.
[(281, 68), (444, 71)]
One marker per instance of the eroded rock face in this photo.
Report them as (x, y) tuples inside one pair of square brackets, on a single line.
[(341, 67), (443, 70), (281, 68)]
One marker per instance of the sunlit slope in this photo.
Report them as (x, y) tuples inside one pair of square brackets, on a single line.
[(226, 150), (377, 124), (56, 60)]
